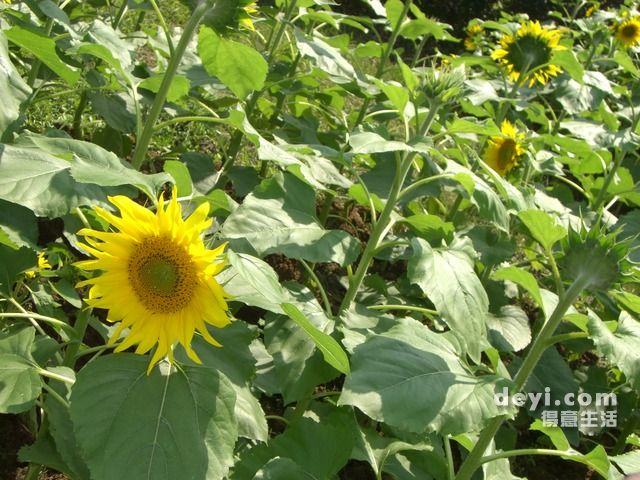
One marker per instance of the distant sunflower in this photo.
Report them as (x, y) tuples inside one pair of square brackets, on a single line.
[(628, 32), (503, 150), (473, 32), (529, 52), (157, 276)]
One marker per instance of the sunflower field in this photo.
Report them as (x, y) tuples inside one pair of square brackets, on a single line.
[(290, 240)]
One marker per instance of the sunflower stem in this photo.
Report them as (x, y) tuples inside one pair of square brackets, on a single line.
[(540, 344), (403, 165), (323, 292), (602, 194), (80, 328), (190, 28), (385, 58)]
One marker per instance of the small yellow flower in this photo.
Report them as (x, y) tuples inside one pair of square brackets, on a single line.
[(157, 277), (472, 33), (529, 52), (503, 150), (592, 9), (628, 32), (43, 264), (245, 16)]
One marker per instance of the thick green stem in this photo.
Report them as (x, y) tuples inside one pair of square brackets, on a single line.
[(190, 28), (80, 328), (602, 194), (77, 117), (381, 226), (274, 43), (475, 457), (385, 58)]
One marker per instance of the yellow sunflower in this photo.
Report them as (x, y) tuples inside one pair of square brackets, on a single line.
[(628, 32), (503, 150), (472, 33), (245, 15), (528, 52), (156, 276)]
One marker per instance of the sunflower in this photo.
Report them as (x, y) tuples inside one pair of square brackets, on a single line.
[(156, 276), (529, 51), (503, 150), (628, 32), (472, 33)]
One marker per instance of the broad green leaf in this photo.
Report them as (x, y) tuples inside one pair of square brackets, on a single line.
[(461, 125), (393, 9), (43, 183), (12, 263), (18, 226), (630, 224), (555, 434), (299, 442), (280, 468), (628, 462), (180, 173), (92, 164), (412, 378), (509, 330), (327, 58), (44, 49), (279, 217), (482, 195), (20, 382), (298, 364), (18, 342), (542, 227), (628, 301), (44, 452), (621, 346), (523, 278), (447, 278), (330, 348), (253, 282), (370, 142), (240, 67), (179, 86), (625, 61), (13, 90), (237, 363), (397, 94), (430, 227), (184, 420), (567, 60)]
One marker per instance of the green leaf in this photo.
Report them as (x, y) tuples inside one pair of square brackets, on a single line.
[(397, 94), (44, 49), (542, 227), (555, 434), (18, 226), (330, 348), (44, 452), (43, 183), (184, 420), (328, 59), (626, 63), (280, 468), (240, 67), (12, 263), (523, 278), (279, 217), (237, 363), (430, 227), (413, 379), (20, 382), (447, 277), (370, 142), (179, 86), (620, 347), (13, 90), (567, 60), (180, 173), (92, 164), (299, 443), (459, 125), (509, 331), (253, 282), (393, 8)]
